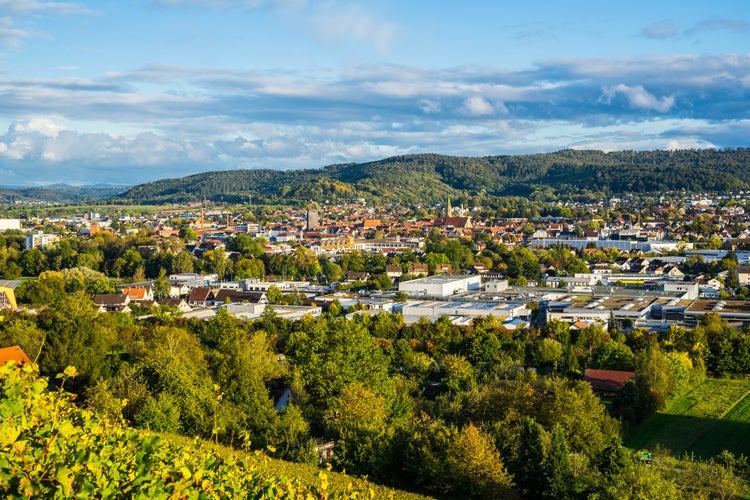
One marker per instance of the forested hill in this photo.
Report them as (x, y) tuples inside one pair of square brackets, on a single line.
[(431, 177), (59, 193)]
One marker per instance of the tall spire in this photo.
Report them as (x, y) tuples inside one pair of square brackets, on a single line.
[(448, 212)]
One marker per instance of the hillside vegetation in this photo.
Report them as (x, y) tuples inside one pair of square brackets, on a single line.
[(50, 448), (431, 178)]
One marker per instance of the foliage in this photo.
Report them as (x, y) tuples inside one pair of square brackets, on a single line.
[(52, 449)]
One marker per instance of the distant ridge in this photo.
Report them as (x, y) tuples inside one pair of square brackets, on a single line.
[(432, 177), (58, 193)]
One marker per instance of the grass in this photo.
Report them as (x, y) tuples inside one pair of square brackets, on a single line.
[(713, 417)]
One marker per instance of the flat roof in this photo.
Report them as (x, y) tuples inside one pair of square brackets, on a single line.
[(718, 306), (446, 278)]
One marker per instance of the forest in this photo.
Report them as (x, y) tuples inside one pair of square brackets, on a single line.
[(436, 408), (431, 178)]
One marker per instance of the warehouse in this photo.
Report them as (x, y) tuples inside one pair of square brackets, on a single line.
[(441, 286)]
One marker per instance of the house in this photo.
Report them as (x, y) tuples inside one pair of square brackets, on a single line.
[(13, 353), (443, 269), (607, 382), (743, 275), (456, 222), (139, 293), (199, 296), (112, 302), (353, 276), (418, 269), (176, 303), (479, 268), (228, 296), (393, 271), (7, 298)]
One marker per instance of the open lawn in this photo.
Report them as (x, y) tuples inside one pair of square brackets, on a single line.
[(714, 416)]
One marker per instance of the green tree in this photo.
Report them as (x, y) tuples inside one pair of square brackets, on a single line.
[(533, 444), (653, 378), (558, 468), (476, 468), (549, 352), (162, 286), (183, 262), (188, 234)]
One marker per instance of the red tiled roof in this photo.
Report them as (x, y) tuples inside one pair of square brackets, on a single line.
[(607, 380), (13, 353)]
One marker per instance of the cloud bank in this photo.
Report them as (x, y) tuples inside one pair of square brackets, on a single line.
[(109, 130)]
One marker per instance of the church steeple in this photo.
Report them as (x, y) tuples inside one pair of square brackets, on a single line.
[(448, 211)]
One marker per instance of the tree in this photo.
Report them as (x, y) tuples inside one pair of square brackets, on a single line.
[(613, 458), (274, 295), (358, 421), (188, 234), (475, 466), (333, 353), (533, 443), (558, 468), (653, 378), (549, 352), (183, 262), (162, 286), (215, 261)]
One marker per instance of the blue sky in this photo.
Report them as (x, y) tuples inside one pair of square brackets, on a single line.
[(132, 91)]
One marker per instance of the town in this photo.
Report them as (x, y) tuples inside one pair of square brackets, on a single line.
[(645, 266)]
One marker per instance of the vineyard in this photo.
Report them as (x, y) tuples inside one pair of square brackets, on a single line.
[(50, 448)]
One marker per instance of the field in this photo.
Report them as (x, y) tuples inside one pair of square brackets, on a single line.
[(714, 416)]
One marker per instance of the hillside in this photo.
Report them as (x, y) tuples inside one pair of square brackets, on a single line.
[(431, 178), (62, 194), (51, 448)]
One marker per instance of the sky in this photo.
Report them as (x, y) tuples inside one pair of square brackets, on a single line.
[(131, 91)]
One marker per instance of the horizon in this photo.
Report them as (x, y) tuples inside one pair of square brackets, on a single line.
[(128, 92)]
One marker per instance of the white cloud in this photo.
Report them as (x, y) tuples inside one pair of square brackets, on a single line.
[(479, 106), (10, 36), (336, 23), (30, 6), (211, 4), (429, 106), (638, 97), (660, 30), (43, 125)]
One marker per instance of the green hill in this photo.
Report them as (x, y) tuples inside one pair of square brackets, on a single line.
[(432, 178), (51, 448)]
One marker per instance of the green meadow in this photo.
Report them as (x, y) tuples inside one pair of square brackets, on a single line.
[(712, 417)]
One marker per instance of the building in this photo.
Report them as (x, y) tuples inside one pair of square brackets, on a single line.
[(690, 289), (460, 312), (495, 286), (39, 239), (6, 224), (607, 382), (7, 298), (313, 220), (13, 353), (112, 302), (441, 286), (743, 275)]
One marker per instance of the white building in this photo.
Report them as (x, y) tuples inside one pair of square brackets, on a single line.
[(37, 240), (441, 286), (6, 224), (432, 310), (496, 286)]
